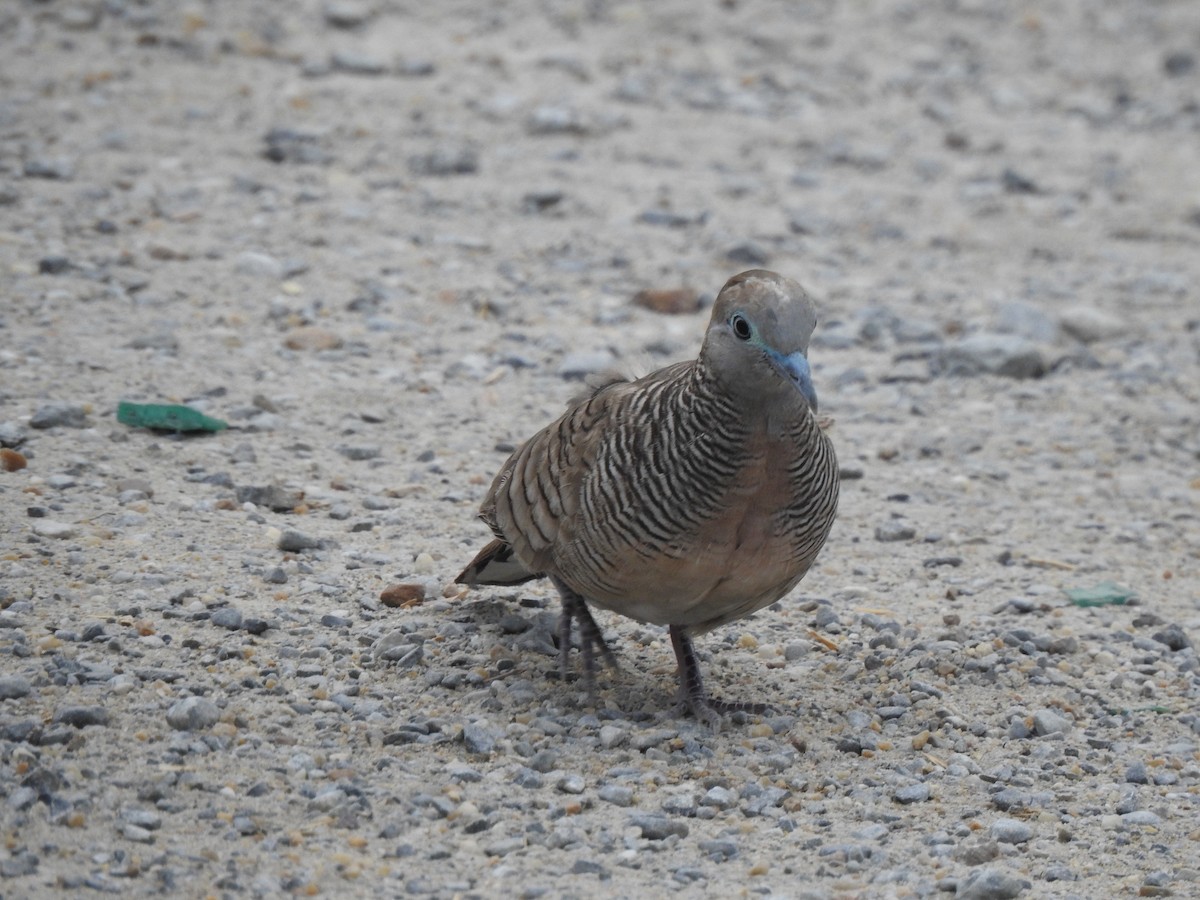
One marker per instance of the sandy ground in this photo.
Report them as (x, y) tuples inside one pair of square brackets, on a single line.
[(385, 240)]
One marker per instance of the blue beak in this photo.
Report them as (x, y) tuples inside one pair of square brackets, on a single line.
[(795, 366)]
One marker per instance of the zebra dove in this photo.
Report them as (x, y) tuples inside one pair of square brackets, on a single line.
[(689, 498)]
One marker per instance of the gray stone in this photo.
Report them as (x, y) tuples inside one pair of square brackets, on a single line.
[(718, 850), (1174, 637), (82, 716), (54, 415), (13, 687), (657, 827), (1048, 721), (504, 846), (447, 159), (54, 168), (894, 530), (137, 834), (11, 434), (680, 805), (544, 761), (294, 146), (556, 120), (1015, 798), (528, 778), (1142, 817), (20, 863), (616, 794), (1010, 831), (273, 497), (227, 617), (990, 354), (193, 714), (479, 739), (54, 265), (346, 13), (292, 541), (143, 818), (748, 254), (358, 454), (22, 798), (1090, 325), (571, 784), (1136, 773), (912, 793), (49, 528), (720, 797), (357, 63), (990, 884), (165, 341)]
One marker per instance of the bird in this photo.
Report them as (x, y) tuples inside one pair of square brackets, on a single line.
[(688, 498)]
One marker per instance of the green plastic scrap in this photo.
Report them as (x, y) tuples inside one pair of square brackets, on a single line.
[(1106, 593), (166, 417)]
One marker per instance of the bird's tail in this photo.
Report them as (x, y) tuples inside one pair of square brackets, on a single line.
[(496, 564)]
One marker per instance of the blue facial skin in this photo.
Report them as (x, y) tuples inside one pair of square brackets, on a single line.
[(795, 366)]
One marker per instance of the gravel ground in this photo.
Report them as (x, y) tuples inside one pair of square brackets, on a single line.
[(384, 241)]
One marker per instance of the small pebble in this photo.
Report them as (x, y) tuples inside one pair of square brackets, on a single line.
[(49, 528), (616, 794), (227, 617), (193, 714), (571, 784), (894, 530), (57, 415), (656, 827), (990, 884), (82, 716), (402, 595), (990, 354), (13, 687), (1048, 721), (292, 541), (311, 338), (479, 739), (912, 793), (1010, 831), (346, 13)]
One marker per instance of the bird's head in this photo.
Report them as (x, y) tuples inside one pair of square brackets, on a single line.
[(757, 340)]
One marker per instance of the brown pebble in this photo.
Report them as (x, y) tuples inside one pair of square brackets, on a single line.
[(11, 460), (404, 596), (310, 337), (669, 302)]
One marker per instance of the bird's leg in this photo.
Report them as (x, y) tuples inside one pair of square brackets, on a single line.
[(691, 686), (591, 639)]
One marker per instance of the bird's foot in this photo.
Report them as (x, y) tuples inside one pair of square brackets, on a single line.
[(692, 695), (591, 638)]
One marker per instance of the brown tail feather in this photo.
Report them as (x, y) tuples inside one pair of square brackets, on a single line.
[(496, 564)]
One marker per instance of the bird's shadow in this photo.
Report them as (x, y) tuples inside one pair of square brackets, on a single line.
[(520, 634)]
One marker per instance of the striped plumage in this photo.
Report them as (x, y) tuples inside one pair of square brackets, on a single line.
[(690, 497)]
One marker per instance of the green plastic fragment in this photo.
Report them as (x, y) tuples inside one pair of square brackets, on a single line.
[(1106, 593), (166, 417)]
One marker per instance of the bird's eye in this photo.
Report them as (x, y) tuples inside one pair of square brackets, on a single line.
[(740, 326)]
